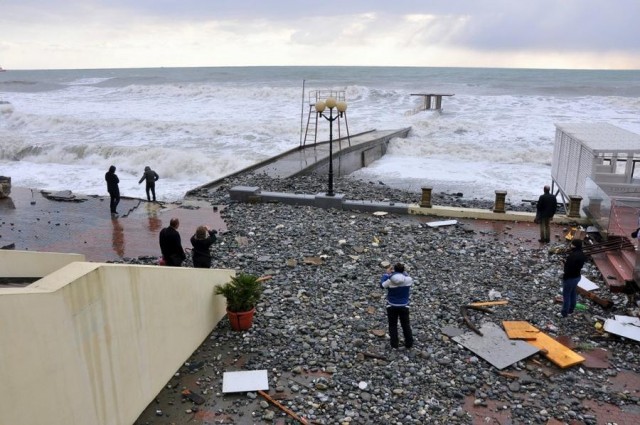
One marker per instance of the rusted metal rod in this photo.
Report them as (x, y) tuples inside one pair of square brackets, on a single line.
[(283, 408)]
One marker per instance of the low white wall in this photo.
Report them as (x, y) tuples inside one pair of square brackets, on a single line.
[(32, 263), (94, 343)]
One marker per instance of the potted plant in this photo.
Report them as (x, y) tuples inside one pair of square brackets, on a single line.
[(242, 292)]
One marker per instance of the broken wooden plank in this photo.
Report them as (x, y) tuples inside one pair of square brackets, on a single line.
[(489, 303), (560, 355), (520, 330)]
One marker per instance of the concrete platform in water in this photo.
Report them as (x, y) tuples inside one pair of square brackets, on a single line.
[(348, 156)]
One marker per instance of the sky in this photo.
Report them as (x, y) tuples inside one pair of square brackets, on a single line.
[(73, 34)]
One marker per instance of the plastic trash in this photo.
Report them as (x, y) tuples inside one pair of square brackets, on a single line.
[(581, 307)]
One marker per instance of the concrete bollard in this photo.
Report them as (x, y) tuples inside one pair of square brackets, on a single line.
[(499, 206), (574, 206), (425, 202), (5, 187)]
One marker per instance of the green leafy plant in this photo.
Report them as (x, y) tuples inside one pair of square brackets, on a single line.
[(242, 292)]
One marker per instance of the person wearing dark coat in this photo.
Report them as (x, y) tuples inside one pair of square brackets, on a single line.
[(171, 245), (545, 210), (201, 242), (151, 177), (572, 275), (113, 189)]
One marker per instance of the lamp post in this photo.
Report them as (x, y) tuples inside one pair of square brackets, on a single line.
[(341, 107)]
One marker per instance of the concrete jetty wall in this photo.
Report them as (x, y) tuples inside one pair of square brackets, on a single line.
[(94, 343)]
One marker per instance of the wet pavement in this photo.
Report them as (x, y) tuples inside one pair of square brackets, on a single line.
[(30, 221)]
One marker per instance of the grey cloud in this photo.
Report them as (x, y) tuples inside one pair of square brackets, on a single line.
[(488, 24)]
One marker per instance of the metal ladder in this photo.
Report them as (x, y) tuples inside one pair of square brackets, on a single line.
[(311, 132)]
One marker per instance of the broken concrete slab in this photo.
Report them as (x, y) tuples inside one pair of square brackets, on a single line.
[(495, 347), (625, 326)]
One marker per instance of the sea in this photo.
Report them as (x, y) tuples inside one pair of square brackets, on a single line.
[(62, 129)]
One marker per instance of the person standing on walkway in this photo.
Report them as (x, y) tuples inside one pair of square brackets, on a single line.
[(398, 286), (572, 275), (171, 245), (545, 210), (151, 177), (201, 242), (112, 187)]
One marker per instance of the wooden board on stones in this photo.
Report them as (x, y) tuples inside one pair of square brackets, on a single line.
[(495, 347), (560, 355)]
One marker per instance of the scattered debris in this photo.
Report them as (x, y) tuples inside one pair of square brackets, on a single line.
[(495, 347), (553, 350), (463, 311), (64, 196), (196, 398), (488, 303)]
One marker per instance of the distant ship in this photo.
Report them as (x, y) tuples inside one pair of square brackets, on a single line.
[(2, 69)]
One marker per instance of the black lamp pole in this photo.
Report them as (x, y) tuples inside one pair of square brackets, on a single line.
[(331, 104)]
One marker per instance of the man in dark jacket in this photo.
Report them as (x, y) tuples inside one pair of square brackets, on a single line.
[(545, 209), (113, 189), (171, 245), (151, 177), (572, 275)]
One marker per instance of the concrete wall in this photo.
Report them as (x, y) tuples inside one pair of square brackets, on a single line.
[(94, 343), (33, 264)]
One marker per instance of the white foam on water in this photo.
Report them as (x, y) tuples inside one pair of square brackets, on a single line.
[(63, 129)]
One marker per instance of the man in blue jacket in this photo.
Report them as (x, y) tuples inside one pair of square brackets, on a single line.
[(398, 286)]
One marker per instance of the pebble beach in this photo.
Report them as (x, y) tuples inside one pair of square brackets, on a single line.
[(320, 329)]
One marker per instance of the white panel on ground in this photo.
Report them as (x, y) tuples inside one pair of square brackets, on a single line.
[(495, 346), (586, 284), (626, 326), (246, 380), (442, 223)]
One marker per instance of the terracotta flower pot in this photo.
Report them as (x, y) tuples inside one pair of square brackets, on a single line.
[(241, 321)]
